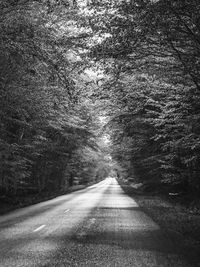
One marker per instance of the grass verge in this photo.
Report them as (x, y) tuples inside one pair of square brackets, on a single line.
[(179, 222)]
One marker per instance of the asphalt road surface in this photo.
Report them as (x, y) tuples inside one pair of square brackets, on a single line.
[(97, 226)]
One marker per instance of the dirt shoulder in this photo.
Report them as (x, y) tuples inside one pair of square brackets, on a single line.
[(179, 222)]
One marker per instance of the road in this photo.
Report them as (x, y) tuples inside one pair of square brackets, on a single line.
[(96, 226)]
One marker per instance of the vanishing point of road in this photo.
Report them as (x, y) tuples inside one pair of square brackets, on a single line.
[(96, 226)]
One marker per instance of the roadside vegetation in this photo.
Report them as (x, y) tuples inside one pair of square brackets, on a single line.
[(65, 65), (151, 52), (49, 137), (178, 217)]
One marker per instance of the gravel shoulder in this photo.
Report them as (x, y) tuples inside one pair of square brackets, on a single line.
[(179, 222)]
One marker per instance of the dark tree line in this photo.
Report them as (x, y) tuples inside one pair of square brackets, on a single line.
[(149, 53), (47, 130), (151, 50)]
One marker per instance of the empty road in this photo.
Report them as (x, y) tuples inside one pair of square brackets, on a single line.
[(96, 226)]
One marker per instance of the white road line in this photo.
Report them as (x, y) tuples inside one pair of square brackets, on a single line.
[(66, 211), (39, 228)]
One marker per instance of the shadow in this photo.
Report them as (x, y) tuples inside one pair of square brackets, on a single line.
[(74, 249), (30, 214), (191, 252), (119, 208), (107, 236), (94, 246), (39, 208)]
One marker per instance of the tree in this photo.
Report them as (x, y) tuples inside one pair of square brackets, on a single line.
[(44, 122), (151, 52)]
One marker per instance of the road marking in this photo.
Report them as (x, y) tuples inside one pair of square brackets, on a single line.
[(66, 211), (39, 228)]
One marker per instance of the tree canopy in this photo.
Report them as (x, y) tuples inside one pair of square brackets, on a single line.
[(67, 64), (150, 51)]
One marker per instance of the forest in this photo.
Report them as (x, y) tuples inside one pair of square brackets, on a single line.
[(88, 87)]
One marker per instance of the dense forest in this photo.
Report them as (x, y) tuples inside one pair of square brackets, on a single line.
[(152, 51), (74, 73), (49, 128)]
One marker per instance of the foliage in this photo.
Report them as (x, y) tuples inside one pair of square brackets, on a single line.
[(143, 59), (151, 54), (46, 124)]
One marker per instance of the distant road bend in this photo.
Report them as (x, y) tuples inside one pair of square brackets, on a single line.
[(97, 226)]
